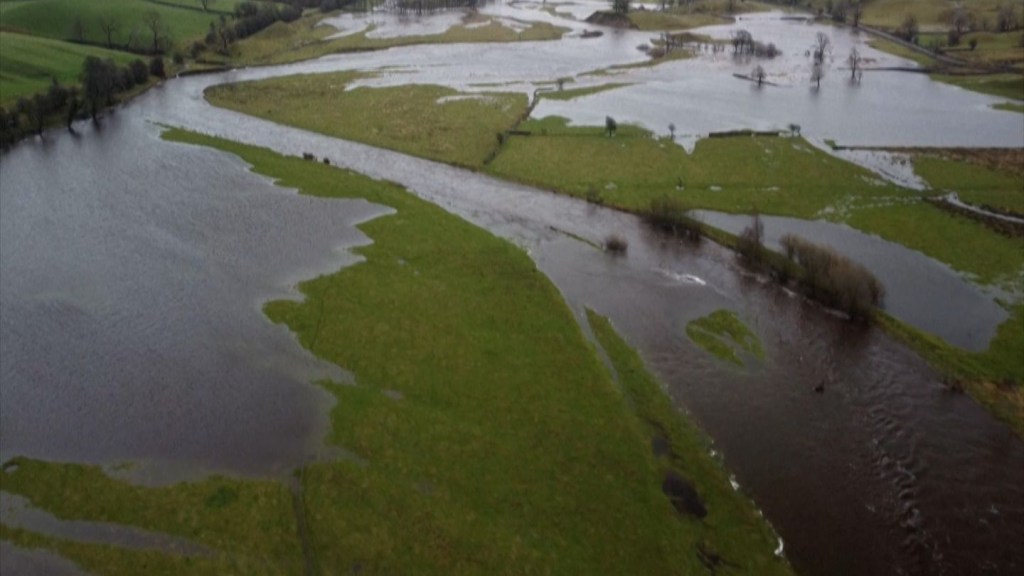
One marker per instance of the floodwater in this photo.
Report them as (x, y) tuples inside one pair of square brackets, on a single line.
[(132, 272)]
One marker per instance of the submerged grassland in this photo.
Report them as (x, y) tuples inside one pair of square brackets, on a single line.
[(306, 38), (488, 436)]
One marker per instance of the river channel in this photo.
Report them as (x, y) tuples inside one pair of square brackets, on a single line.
[(133, 271)]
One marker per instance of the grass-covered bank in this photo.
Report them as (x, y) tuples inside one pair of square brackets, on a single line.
[(683, 451), (489, 436)]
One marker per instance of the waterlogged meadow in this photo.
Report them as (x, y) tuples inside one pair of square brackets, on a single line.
[(465, 358)]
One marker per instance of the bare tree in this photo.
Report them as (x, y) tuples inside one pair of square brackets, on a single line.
[(908, 29), (1006, 18), (78, 29), (759, 74), (110, 25), (962, 20), (817, 73), (822, 45), (155, 23), (856, 11), (742, 42), (672, 130), (854, 60)]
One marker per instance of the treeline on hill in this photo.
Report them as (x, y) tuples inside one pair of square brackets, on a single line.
[(102, 81), (248, 19)]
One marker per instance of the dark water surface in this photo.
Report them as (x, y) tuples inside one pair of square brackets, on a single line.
[(132, 272)]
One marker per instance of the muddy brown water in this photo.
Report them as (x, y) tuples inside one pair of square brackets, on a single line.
[(132, 272)]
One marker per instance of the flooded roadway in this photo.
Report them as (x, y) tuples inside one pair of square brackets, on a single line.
[(133, 271)]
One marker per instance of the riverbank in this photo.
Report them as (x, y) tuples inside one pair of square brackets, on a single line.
[(481, 433)]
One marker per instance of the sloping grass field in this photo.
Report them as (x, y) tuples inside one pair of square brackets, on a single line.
[(56, 19), (28, 64)]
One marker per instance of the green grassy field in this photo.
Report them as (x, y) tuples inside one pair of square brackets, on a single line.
[(494, 438), (974, 184), (774, 175), (1003, 84), (28, 63), (414, 119), (56, 19), (725, 336), (930, 14), (992, 48)]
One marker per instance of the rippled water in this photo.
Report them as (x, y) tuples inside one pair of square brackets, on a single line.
[(132, 272)]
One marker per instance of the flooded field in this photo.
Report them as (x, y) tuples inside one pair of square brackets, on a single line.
[(134, 271)]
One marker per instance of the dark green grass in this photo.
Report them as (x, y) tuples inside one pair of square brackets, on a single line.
[(56, 18), (254, 525)]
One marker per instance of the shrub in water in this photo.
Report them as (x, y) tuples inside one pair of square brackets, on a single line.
[(615, 244), (834, 279)]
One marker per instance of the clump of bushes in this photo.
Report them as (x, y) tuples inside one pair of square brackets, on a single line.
[(615, 244), (670, 214), (750, 243), (833, 279), (102, 81)]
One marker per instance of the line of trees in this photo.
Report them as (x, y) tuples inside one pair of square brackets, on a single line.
[(249, 18), (153, 37), (743, 43), (102, 81)]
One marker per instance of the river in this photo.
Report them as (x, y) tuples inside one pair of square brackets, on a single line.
[(132, 272)]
